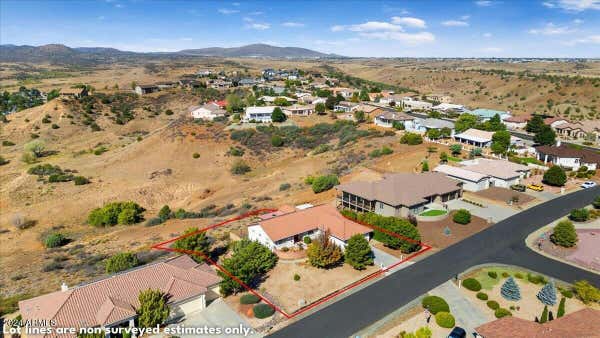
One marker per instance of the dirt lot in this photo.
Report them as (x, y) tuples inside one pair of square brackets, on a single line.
[(432, 233), (313, 285), (501, 195)]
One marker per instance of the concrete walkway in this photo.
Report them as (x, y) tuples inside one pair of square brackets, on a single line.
[(466, 313), (491, 211)]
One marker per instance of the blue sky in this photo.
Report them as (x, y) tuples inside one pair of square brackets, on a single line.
[(454, 28)]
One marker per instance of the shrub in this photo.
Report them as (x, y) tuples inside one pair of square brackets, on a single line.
[(519, 275), (482, 295), (263, 311), (456, 149), (324, 183), (566, 293), (323, 252), (249, 298), (296, 277), (7, 143), (278, 115), (555, 176), (435, 304), (501, 312), (153, 308), (168, 112), (462, 216), (564, 234), (561, 308), (153, 222), (586, 292), (3, 161), (80, 180), (492, 304), (235, 151), (472, 284), (121, 262), (579, 215), (358, 252), (544, 316), (277, 141), (505, 274), (240, 167), (596, 203), (445, 320), (116, 213), (307, 240), (284, 186), (196, 155), (493, 274), (55, 126), (536, 279), (195, 241), (411, 139), (55, 240)]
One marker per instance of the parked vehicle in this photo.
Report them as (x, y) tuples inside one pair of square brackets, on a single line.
[(588, 184), (518, 187), (457, 332), (536, 187)]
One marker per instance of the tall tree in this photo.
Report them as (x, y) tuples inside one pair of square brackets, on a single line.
[(278, 115), (323, 252), (248, 262), (464, 122), (535, 124), (358, 252), (510, 290), (196, 241), (153, 308), (545, 136), (547, 294), (500, 142)]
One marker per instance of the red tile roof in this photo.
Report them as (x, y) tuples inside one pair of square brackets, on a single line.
[(115, 298)]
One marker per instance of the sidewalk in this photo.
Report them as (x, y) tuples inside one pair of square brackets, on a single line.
[(467, 315)]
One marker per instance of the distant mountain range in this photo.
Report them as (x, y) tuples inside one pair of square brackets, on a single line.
[(57, 53)]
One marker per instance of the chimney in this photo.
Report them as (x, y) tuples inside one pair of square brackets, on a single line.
[(64, 287), (558, 143)]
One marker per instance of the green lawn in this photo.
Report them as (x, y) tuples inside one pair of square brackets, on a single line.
[(454, 159), (433, 212), (488, 282)]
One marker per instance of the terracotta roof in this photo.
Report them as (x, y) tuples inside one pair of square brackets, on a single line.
[(115, 298), (517, 119), (582, 323), (550, 120), (406, 189), (324, 216), (565, 151), (395, 116)]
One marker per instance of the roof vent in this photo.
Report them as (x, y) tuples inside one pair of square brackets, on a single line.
[(64, 287), (558, 143)]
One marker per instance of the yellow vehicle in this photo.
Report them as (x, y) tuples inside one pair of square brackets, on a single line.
[(536, 187)]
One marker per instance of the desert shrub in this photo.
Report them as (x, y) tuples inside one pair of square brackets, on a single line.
[(482, 295), (445, 320), (471, 284), (296, 277), (153, 222), (536, 279), (196, 155), (277, 141), (55, 126), (492, 304), (284, 186), (55, 240), (249, 299), (7, 143), (321, 148), (411, 139), (435, 304), (579, 215), (307, 240), (493, 274), (236, 151), (120, 262), (555, 176), (116, 213), (505, 274), (519, 275), (168, 112), (263, 311), (80, 180), (586, 292), (564, 234), (501, 312), (3, 161), (52, 266), (240, 167), (462, 216), (324, 183)]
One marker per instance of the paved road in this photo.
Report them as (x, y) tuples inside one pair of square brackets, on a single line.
[(503, 242)]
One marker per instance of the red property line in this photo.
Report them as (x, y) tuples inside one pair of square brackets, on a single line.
[(162, 246)]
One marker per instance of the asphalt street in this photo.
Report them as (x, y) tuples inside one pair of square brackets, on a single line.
[(504, 242)]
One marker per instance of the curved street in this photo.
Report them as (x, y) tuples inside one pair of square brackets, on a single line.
[(504, 242)]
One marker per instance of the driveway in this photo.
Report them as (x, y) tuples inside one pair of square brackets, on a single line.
[(216, 315), (491, 211), (382, 258), (466, 313)]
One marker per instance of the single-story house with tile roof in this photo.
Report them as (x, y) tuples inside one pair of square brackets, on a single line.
[(398, 195), (299, 110), (369, 110), (449, 108), (571, 130), (412, 104), (480, 174), (388, 117), (77, 92), (516, 122), (346, 106), (112, 301), (289, 229), (423, 125), (260, 114), (207, 111), (480, 138), (568, 157), (581, 323), (554, 121)]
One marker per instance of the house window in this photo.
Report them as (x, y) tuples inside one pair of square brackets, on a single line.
[(380, 205)]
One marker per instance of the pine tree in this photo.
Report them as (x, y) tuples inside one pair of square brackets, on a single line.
[(561, 308), (550, 316), (510, 290), (544, 317), (547, 294)]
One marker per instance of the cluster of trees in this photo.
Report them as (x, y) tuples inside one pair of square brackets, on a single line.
[(555, 176), (194, 241), (322, 183), (22, 99), (248, 262), (116, 213), (468, 121), (411, 139), (544, 135), (325, 254)]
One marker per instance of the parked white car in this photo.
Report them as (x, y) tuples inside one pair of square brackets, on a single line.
[(588, 184)]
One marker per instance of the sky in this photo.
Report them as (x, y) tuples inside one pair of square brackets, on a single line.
[(368, 28)]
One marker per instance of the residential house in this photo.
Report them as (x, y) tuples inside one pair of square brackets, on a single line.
[(190, 83), (571, 130), (568, 157), (516, 122), (247, 82), (388, 118), (346, 93), (370, 110), (166, 85), (412, 104), (146, 89), (259, 114), (76, 93), (475, 137), (220, 84), (346, 107), (398, 195), (441, 98), (208, 111), (472, 181), (486, 114), (113, 301), (501, 173), (581, 323), (393, 100), (423, 125), (555, 121), (447, 108), (204, 73), (289, 229), (299, 110)]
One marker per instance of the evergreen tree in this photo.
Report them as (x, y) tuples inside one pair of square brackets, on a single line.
[(546, 136), (555, 176), (510, 290), (323, 253), (544, 317), (561, 308), (535, 124), (153, 308), (164, 213), (358, 252), (195, 241), (547, 294), (550, 316)]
